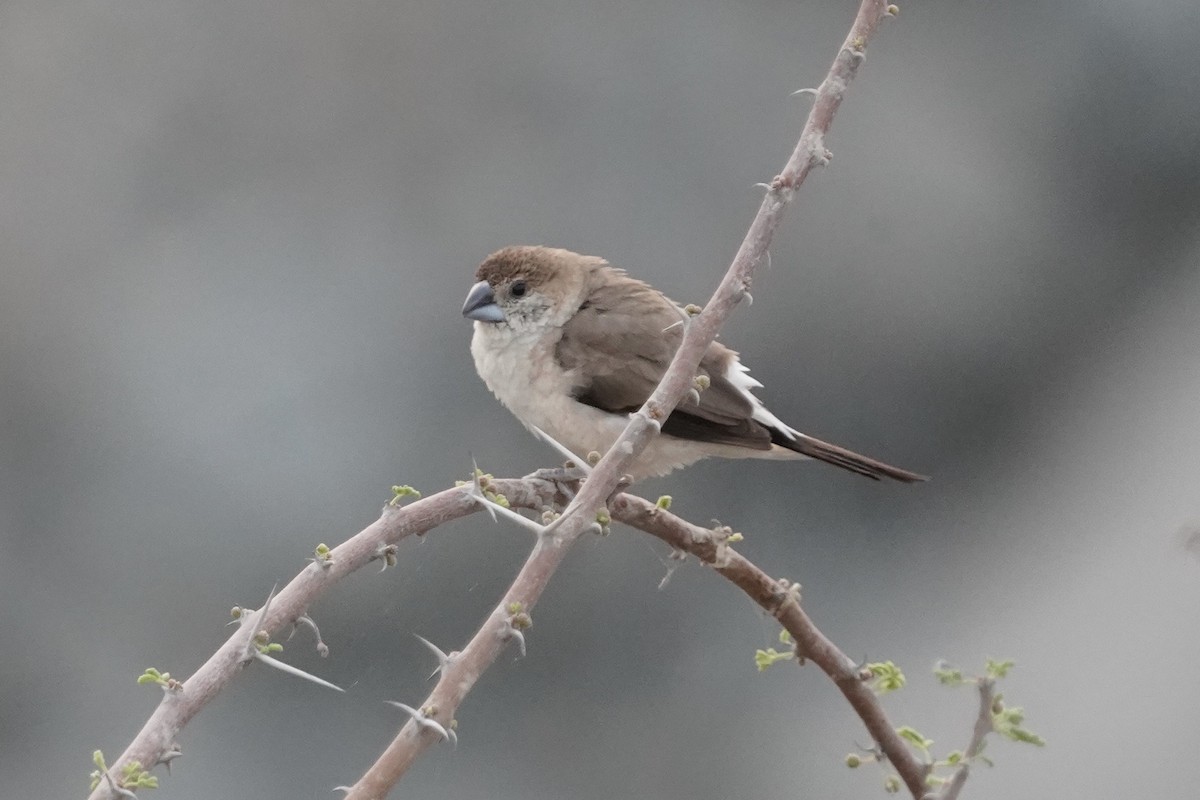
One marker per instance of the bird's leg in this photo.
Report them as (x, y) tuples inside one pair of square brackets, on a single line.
[(565, 479), (568, 473)]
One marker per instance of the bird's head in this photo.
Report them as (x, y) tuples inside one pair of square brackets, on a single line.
[(528, 288)]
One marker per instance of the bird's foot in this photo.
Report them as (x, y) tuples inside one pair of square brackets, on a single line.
[(563, 474), (566, 480)]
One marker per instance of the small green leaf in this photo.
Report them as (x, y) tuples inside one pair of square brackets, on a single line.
[(132, 775), (948, 674), (1026, 736), (765, 659), (401, 492), (1008, 722), (151, 675), (999, 669), (664, 502), (888, 677), (914, 737)]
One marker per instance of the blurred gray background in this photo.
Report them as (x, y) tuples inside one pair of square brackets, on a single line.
[(235, 241)]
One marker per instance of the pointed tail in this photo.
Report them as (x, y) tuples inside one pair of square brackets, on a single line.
[(840, 457)]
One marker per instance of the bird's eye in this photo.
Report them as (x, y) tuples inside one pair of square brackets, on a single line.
[(518, 289)]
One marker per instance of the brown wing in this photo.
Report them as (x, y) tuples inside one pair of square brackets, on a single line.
[(618, 346)]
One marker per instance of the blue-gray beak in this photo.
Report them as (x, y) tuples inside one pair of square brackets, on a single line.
[(481, 304)]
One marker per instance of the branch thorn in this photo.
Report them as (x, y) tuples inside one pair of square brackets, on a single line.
[(251, 648), (444, 659), (307, 621), (563, 450), (424, 721)]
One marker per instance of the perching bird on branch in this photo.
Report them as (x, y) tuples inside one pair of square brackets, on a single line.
[(572, 345)]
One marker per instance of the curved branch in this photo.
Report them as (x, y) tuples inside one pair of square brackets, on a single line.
[(778, 598), (154, 743), (781, 601)]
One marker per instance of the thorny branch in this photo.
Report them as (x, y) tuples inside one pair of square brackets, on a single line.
[(154, 742), (461, 670), (780, 599)]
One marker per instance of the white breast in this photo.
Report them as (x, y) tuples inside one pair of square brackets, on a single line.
[(523, 373)]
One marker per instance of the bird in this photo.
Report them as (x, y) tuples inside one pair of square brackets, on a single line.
[(572, 345)]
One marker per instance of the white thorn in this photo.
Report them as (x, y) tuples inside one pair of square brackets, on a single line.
[(120, 791), (423, 721), (562, 449), (173, 752), (299, 673), (476, 491), (511, 632), (684, 319), (443, 658), (251, 648), (523, 522), (667, 577), (306, 620)]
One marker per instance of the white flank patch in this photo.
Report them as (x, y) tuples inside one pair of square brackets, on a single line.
[(738, 374)]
